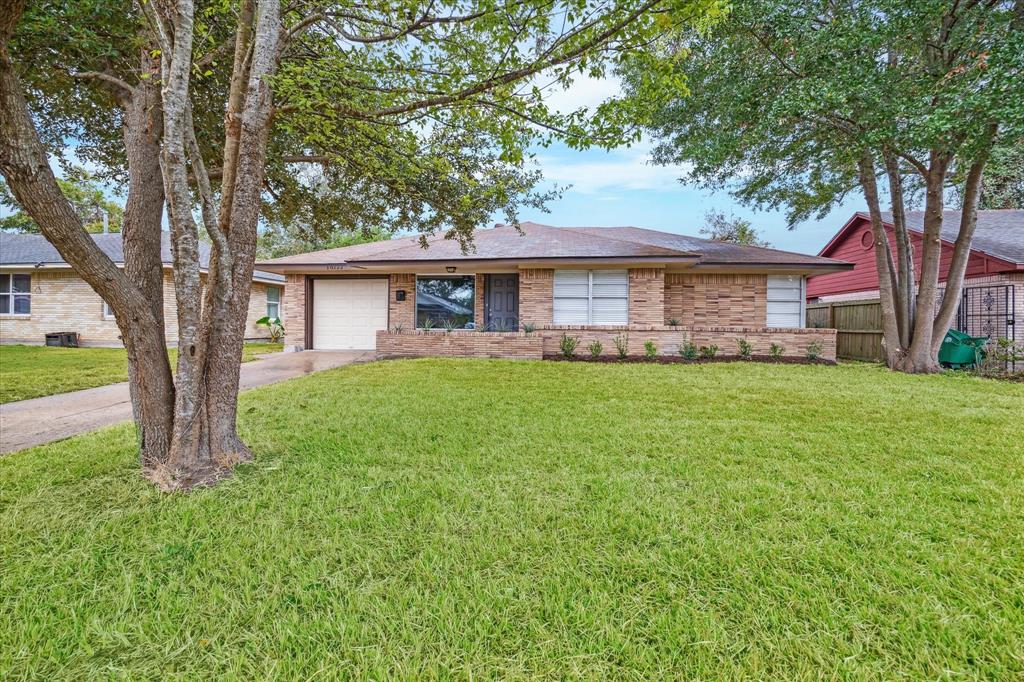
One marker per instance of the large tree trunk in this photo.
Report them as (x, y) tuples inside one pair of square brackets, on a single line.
[(961, 251), (920, 358), (894, 350), (211, 320), (141, 235), (904, 268), (24, 163)]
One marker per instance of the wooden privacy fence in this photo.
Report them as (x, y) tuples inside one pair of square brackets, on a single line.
[(858, 325)]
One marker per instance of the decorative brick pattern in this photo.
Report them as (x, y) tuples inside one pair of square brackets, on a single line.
[(62, 301), (716, 299), (536, 292), (402, 312), (668, 339), (478, 300), (646, 296), (293, 305), (414, 344)]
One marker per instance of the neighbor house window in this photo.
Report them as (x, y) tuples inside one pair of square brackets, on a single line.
[(274, 302), (15, 294), (108, 312), (445, 301), (586, 297), (786, 295)]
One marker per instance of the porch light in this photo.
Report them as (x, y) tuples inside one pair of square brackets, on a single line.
[(450, 268)]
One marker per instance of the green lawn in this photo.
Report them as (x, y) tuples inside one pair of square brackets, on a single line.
[(499, 519), (33, 371)]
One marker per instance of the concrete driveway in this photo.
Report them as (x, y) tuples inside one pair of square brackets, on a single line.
[(43, 420)]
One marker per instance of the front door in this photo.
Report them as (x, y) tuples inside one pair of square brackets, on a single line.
[(501, 302)]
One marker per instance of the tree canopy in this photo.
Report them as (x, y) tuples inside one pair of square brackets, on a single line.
[(86, 195), (722, 228), (794, 105)]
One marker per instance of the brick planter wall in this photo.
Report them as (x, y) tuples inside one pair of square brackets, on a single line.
[(414, 344), (668, 339), (465, 344)]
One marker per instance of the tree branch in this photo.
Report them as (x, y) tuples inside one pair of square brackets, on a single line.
[(114, 82)]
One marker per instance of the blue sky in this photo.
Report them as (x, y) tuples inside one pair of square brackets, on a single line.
[(621, 187)]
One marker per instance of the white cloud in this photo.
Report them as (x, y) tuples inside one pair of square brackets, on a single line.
[(608, 172), (584, 92)]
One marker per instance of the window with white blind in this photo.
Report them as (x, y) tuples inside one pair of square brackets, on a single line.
[(785, 301), (591, 297)]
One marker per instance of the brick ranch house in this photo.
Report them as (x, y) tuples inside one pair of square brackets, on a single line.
[(595, 283), (993, 300), (41, 294)]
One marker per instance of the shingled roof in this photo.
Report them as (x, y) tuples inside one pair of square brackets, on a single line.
[(999, 233), (536, 241), (33, 250)]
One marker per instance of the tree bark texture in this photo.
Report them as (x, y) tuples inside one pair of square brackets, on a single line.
[(211, 315), (25, 165), (894, 350), (920, 358)]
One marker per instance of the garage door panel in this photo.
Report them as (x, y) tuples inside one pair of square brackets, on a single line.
[(348, 313)]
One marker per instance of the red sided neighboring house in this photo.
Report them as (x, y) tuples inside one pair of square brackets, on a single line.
[(993, 298)]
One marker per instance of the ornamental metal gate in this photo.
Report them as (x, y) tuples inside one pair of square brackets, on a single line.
[(988, 311)]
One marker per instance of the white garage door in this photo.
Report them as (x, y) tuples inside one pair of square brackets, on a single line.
[(348, 313)]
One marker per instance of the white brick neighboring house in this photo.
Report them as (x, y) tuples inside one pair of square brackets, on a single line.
[(41, 294)]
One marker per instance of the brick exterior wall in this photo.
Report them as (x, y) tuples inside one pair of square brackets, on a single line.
[(293, 304), (402, 312), (466, 344), (716, 299), (668, 339), (478, 300), (62, 301), (536, 291), (646, 296)]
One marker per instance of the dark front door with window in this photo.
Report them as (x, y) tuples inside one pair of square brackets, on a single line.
[(501, 302)]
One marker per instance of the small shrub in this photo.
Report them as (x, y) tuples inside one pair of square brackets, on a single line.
[(708, 352), (595, 349), (500, 327), (650, 349), (483, 328), (813, 350), (529, 328), (746, 349), (622, 345), (688, 350), (398, 328), (449, 325), (568, 345), (776, 351), (428, 323), (673, 322)]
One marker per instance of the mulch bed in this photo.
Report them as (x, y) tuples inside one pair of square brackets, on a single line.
[(679, 360)]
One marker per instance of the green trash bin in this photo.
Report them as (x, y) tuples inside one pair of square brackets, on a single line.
[(959, 350)]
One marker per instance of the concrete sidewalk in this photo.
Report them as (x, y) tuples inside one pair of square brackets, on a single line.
[(43, 420)]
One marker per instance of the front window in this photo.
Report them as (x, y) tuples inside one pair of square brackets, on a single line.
[(15, 294), (445, 302), (591, 297), (274, 302)]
